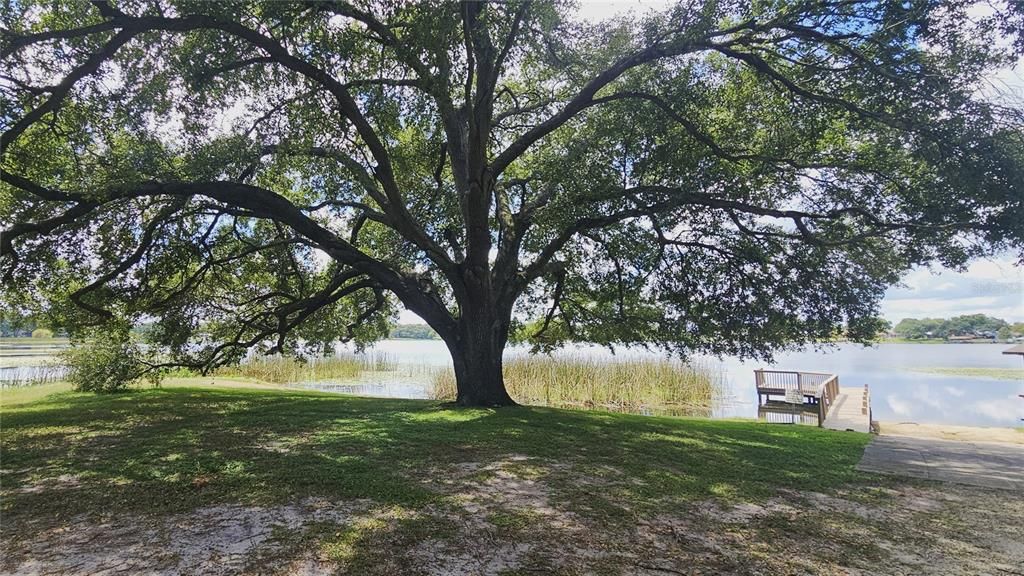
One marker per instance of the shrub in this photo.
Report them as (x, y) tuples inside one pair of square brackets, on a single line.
[(106, 361), (42, 333)]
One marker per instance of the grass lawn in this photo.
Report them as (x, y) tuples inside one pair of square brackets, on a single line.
[(280, 481)]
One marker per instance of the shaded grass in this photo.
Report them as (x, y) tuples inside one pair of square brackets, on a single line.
[(175, 449), (583, 381)]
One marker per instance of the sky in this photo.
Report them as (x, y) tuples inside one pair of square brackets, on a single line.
[(994, 287)]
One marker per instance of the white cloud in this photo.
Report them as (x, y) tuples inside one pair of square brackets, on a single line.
[(954, 391), (898, 406), (994, 287), (1001, 410), (598, 11)]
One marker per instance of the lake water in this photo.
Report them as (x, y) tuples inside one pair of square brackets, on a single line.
[(899, 391)]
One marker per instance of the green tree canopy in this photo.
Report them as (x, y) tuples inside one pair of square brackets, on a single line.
[(728, 177), (965, 325), (414, 332)]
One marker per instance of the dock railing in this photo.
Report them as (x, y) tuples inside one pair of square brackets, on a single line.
[(819, 388)]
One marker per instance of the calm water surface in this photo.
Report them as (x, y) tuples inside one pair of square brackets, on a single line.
[(899, 391)]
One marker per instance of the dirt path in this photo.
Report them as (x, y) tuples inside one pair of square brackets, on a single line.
[(949, 432), (501, 519)]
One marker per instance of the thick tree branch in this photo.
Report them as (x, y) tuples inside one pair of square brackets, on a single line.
[(131, 27), (269, 205), (582, 100)]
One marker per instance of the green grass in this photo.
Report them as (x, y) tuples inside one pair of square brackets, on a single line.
[(582, 381), (418, 486), (11, 397), (975, 372), (173, 449)]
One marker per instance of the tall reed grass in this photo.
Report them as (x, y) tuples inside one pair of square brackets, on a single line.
[(580, 381), (283, 370), (18, 376)]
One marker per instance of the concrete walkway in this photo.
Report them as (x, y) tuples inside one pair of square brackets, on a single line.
[(989, 464)]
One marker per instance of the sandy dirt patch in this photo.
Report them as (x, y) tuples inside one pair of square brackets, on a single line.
[(509, 517), (217, 540), (950, 432)]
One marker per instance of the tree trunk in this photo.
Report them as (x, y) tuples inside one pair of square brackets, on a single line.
[(476, 354)]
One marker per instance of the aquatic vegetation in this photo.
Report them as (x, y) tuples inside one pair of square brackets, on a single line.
[(283, 370), (31, 375), (974, 372), (581, 381)]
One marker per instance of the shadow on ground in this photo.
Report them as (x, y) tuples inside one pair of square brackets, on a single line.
[(222, 481)]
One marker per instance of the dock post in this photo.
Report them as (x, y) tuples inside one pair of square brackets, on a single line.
[(759, 383)]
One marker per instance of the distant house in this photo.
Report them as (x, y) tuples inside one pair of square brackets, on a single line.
[(979, 336)]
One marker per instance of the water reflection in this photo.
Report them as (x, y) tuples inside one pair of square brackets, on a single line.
[(15, 376), (414, 382), (784, 413), (391, 384), (900, 390)]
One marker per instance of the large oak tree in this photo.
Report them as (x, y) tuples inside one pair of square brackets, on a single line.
[(728, 177)]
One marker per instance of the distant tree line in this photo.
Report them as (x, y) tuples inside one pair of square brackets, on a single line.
[(414, 332), (15, 325), (978, 325)]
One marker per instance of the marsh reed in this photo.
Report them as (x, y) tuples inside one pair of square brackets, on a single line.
[(581, 381), (282, 370), (18, 376)]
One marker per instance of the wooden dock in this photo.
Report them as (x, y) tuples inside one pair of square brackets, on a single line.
[(791, 396)]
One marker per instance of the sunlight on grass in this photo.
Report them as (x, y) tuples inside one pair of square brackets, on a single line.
[(452, 415), (173, 449), (10, 397)]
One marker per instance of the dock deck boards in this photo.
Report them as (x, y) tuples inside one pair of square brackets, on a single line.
[(848, 411), (833, 406)]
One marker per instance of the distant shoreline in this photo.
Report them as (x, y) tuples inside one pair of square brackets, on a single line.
[(937, 341)]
